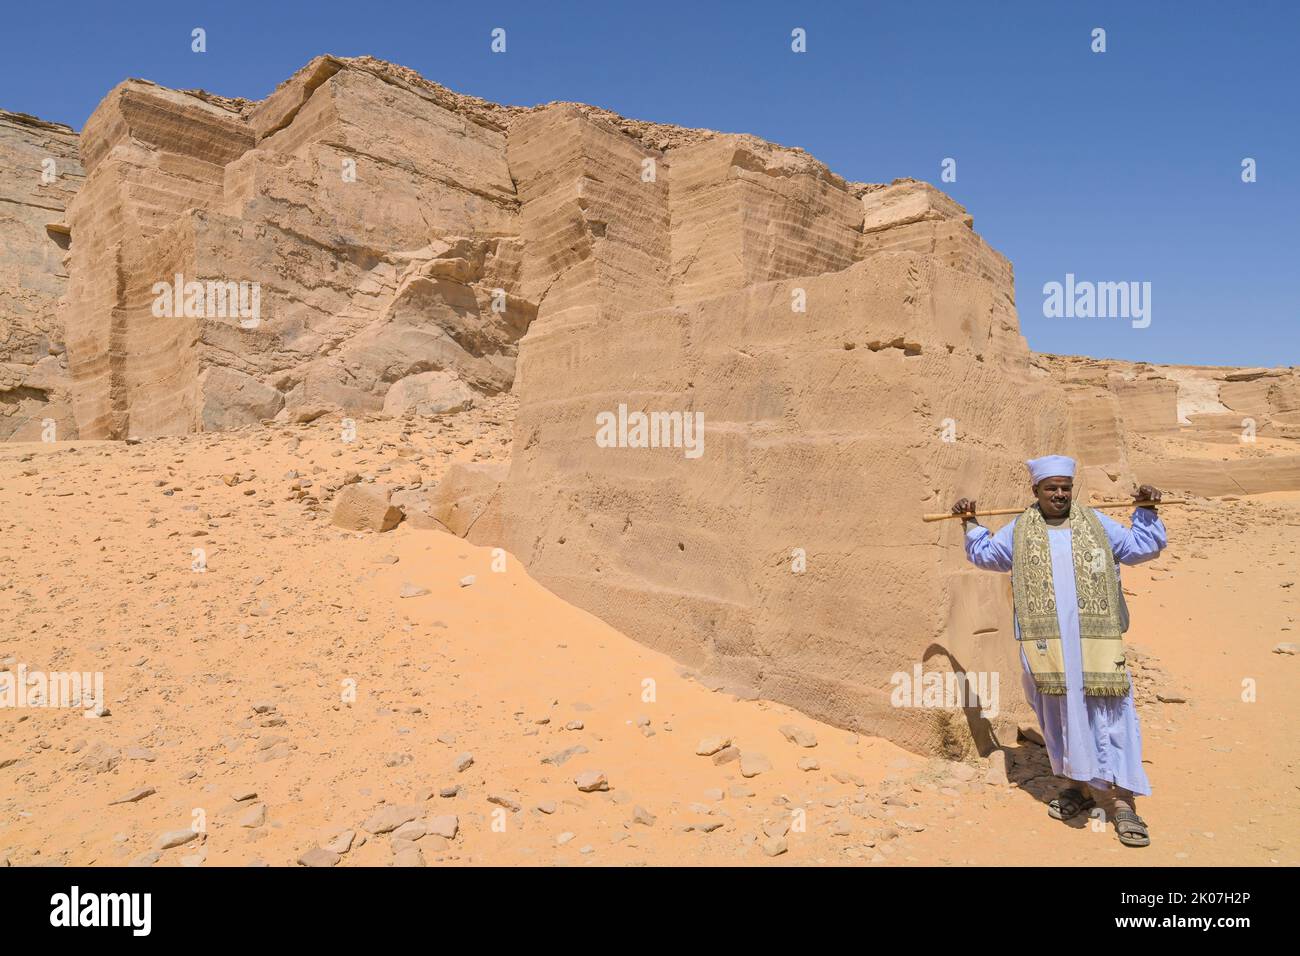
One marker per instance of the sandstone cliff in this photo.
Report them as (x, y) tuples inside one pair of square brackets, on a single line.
[(40, 172), (852, 351), (364, 215)]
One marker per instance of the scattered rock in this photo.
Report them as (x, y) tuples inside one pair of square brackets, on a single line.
[(590, 781), (712, 745), (388, 818), (726, 755), (557, 759), (996, 774), (175, 838), (306, 414), (703, 826), (366, 507), (798, 735), (412, 831), (100, 758), (318, 856), (134, 796), (776, 828), (342, 843), (962, 771), (752, 763), (446, 826), (253, 817)]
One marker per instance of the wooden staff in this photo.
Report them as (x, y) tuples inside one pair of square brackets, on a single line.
[(1016, 511)]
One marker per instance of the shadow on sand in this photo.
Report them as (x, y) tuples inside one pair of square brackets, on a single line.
[(1028, 766)]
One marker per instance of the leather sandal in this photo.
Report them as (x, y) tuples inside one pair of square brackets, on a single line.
[(1069, 804), (1131, 828)]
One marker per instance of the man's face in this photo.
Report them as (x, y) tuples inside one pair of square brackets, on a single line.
[(1054, 496)]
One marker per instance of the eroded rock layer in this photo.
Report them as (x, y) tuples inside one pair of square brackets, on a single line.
[(1201, 430), (834, 371), (352, 231), (40, 172)]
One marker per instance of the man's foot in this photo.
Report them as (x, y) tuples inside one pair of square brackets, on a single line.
[(1129, 827), (1070, 803)]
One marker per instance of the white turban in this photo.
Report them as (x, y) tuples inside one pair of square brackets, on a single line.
[(1050, 466)]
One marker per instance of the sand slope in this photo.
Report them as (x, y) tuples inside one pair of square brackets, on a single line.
[(95, 574)]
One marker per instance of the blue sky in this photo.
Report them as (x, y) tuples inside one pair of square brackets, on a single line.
[(1115, 166)]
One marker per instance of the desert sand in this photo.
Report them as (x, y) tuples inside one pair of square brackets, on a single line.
[(230, 682)]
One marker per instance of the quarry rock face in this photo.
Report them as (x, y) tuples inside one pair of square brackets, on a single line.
[(739, 290), (352, 230), (40, 172), (741, 379)]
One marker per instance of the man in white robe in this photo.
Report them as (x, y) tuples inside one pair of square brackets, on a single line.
[(1094, 741)]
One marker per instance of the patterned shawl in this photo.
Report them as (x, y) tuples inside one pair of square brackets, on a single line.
[(1097, 587)]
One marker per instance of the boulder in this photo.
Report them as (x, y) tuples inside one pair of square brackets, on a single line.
[(428, 394), (231, 399), (466, 496), (366, 507)]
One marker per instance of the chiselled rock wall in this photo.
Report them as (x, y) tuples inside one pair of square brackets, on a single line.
[(848, 382), (40, 172), (366, 216)]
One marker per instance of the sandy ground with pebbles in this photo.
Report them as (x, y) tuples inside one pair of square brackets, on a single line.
[(292, 669)]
